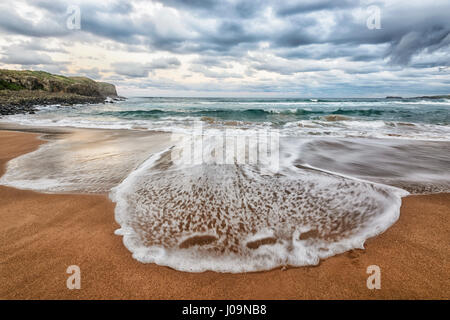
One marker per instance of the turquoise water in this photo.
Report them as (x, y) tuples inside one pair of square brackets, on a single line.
[(281, 111), (380, 118)]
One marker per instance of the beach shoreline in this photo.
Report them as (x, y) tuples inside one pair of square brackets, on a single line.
[(42, 234)]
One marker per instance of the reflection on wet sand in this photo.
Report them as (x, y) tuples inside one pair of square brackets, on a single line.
[(82, 161)]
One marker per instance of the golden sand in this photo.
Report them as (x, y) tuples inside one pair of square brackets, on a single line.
[(42, 234)]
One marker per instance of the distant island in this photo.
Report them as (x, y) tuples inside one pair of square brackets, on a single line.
[(21, 91), (422, 97)]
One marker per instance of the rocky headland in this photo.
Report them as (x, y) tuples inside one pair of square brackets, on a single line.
[(22, 91)]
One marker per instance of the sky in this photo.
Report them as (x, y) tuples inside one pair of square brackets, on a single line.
[(258, 48)]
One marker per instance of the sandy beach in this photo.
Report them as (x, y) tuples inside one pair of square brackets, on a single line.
[(42, 234)]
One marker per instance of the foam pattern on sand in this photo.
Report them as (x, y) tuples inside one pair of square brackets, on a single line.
[(85, 162), (234, 218)]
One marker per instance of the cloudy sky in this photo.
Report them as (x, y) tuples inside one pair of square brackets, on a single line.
[(267, 48)]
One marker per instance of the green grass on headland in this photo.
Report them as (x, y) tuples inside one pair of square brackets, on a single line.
[(17, 80), (4, 85)]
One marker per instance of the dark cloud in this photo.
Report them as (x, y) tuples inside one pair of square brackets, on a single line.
[(191, 4), (131, 69), (286, 67), (295, 37), (141, 70), (248, 9), (12, 23), (37, 46), (242, 8), (209, 61), (414, 42), (22, 54), (164, 63), (218, 74), (26, 58), (40, 46), (234, 32), (296, 7)]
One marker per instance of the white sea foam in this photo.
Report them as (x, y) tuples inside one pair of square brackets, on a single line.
[(325, 196), (445, 102), (86, 161), (302, 128), (233, 218), (210, 216), (367, 129)]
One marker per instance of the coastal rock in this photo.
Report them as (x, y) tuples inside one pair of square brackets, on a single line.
[(20, 91), (83, 89), (107, 89)]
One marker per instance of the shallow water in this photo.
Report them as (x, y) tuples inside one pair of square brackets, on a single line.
[(331, 175), (84, 161), (233, 218)]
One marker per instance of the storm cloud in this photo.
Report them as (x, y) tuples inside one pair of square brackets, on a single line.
[(312, 47)]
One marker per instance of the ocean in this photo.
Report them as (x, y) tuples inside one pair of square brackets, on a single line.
[(239, 185), (405, 118)]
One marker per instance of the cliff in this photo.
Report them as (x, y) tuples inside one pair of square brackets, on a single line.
[(40, 80), (20, 91)]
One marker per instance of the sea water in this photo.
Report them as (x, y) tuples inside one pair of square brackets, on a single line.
[(341, 168)]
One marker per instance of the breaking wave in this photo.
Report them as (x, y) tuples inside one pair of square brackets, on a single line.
[(240, 218), (344, 166)]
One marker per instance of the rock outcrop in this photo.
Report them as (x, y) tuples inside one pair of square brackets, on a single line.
[(107, 89), (40, 80), (21, 90)]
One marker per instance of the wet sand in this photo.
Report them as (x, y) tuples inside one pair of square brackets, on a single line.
[(42, 234)]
